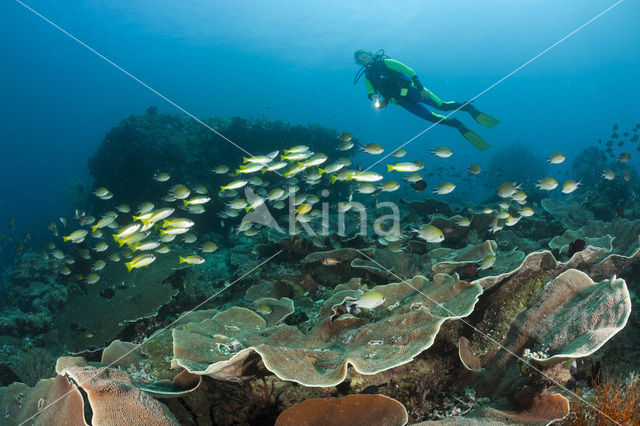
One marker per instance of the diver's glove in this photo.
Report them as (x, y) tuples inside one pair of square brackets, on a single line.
[(416, 82)]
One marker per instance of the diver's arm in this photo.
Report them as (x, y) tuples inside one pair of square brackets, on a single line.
[(369, 86), (394, 65), (378, 102)]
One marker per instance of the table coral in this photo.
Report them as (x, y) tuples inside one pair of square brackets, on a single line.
[(390, 335)]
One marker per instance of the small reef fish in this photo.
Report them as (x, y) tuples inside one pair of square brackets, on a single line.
[(399, 153), (161, 177), (405, 167), (520, 195), (163, 249), (236, 184), (624, 157), (275, 166), (255, 180), (372, 148), (366, 188), (430, 233), (569, 186), (172, 231), (221, 169), (297, 168), (238, 204), (511, 220), (257, 202), (345, 146), (413, 178), (100, 247), (462, 221), (296, 156), (191, 260), (145, 208), (201, 189), (345, 137), (259, 159), (106, 220), (547, 184), (442, 152), (180, 192), (99, 265), (303, 208), (140, 261), (195, 209), (123, 208), (156, 216), (608, 174), (149, 245), (101, 192), (297, 149), (76, 236), (92, 278), (444, 188), (389, 186), (125, 231), (133, 238), (487, 262), (342, 176), (263, 309), (208, 247), (190, 238), (419, 185), (507, 189), (526, 212), (502, 214), (556, 158), (329, 261), (364, 176), (250, 168), (369, 300), (200, 199), (474, 169)]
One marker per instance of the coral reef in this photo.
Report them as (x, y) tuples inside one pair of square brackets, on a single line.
[(485, 325), (351, 409)]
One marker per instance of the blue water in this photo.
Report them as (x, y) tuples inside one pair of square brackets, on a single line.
[(293, 61)]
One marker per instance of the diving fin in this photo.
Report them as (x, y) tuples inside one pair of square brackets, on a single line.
[(485, 119), (482, 118), (475, 139)]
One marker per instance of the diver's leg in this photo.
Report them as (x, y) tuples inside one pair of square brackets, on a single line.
[(421, 111), (429, 98)]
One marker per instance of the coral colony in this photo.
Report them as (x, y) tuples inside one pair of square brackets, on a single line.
[(289, 284)]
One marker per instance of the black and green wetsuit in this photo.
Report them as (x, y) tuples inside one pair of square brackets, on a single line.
[(394, 81)]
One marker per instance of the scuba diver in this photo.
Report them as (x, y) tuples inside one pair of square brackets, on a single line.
[(389, 80)]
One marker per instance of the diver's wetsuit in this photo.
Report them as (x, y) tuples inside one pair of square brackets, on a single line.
[(393, 81)]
